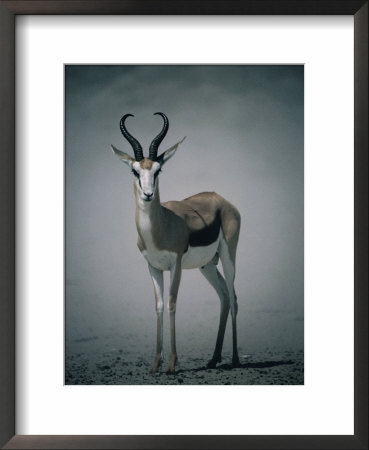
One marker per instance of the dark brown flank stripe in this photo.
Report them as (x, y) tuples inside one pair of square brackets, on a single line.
[(208, 234)]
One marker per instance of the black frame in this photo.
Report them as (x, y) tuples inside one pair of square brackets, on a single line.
[(8, 11)]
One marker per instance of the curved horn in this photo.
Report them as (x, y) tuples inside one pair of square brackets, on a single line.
[(153, 151), (134, 142)]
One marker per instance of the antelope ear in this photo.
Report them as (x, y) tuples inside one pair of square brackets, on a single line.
[(163, 158), (123, 156)]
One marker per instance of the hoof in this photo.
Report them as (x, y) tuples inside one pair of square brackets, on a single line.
[(212, 364), (236, 362), (172, 366), (214, 361), (156, 365)]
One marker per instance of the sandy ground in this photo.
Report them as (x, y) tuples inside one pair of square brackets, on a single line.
[(109, 343), (117, 367)]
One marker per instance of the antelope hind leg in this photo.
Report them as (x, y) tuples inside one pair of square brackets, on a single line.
[(229, 270), (212, 274)]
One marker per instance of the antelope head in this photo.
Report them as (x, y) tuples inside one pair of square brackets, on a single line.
[(146, 170)]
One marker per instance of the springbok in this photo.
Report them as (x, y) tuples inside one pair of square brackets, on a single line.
[(188, 234)]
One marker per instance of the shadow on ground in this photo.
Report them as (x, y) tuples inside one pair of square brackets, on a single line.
[(251, 365)]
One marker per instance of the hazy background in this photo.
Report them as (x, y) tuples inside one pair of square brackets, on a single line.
[(244, 128)]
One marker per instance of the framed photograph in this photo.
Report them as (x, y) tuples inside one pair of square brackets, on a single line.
[(107, 325)]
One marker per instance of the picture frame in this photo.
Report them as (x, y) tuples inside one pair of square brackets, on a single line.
[(8, 11)]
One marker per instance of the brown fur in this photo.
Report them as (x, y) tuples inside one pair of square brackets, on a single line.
[(174, 221), (146, 163)]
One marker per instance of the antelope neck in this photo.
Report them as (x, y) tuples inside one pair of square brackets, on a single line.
[(148, 213)]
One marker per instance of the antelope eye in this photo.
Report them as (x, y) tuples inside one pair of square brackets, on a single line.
[(157, 173), (135, 173)]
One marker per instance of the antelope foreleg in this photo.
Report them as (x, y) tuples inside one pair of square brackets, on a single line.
[(157, 279), (175, 278)]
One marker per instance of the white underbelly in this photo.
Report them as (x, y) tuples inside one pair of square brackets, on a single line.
[(199, 256), (195, 257)]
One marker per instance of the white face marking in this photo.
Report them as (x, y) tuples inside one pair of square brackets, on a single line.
[(146, 180)]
